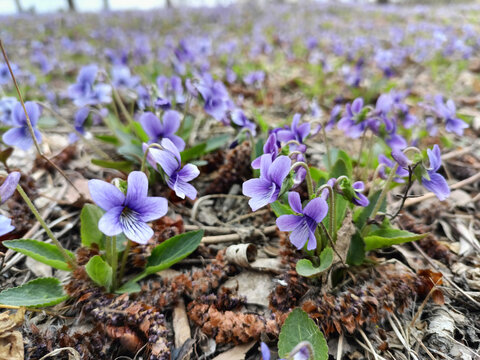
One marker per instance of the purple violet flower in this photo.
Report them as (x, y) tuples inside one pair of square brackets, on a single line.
[(265, 351), (6, 110), (435, 182), (303, 226), (302, 354), (295, 132), (334, 115), (271, 147), (239, 118), (79, 121), (447, 111), (402, 159), (348, 123), (359, 199), (217, 102), (122, 77), (127, 213), (19, 135), (177, 178), (143, 97), (5, 77), (255, 78), (5, 225), (166, 128), (9, 186), (83, 92), (169, 90), (266, 188), (388, 164)]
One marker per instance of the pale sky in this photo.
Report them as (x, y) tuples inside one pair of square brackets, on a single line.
[(42, 6)]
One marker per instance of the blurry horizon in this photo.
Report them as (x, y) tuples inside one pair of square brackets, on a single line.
[(9, 7)]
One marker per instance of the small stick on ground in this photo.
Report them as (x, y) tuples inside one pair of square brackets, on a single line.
[(458, 185), (236, 237)]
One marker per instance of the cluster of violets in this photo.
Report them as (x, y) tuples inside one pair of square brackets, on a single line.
[(283, 168), (324, 37)]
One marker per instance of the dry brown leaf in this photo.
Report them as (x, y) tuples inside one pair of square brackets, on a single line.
[(344, 236), (236, 353), (254, 286), (11, 345), (11, 341)]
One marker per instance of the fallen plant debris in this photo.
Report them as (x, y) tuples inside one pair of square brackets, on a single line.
[(252, 181)]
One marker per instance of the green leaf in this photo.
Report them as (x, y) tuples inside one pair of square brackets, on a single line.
[(389, 236), (261, 121), (110, 139), (35, 293), (258, 148), (129, 287), (193, 153), (338, 169), (99, 271), (299, 327), (305, 267), (186, 128), (362, 215), (124, 166), (356, 251), (337, 155), (89, 232), (40, 251), (281, 209), (216, 143), (173, 250), (137, 127), (319, 176)]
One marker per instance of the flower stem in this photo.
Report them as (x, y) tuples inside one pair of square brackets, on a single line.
[(331, 209), (308, 177), (362, 144), (71, 261), (327, 147), (114, 259), (124, 261), (384, 190), (108, 251), (320, 239), (144, 159)]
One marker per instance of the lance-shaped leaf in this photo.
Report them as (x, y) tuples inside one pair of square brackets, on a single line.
[(389, 236), (35, 293), (41, 251)]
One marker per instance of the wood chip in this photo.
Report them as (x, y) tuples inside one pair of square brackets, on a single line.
[(181, 327)]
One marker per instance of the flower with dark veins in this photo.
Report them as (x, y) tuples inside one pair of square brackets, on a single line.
[(177, 178), (266, 188), (295, 132), (127, 213), (303, 226), (157, 129)]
